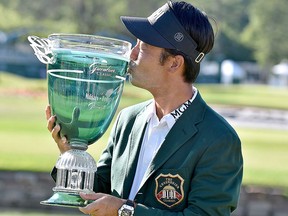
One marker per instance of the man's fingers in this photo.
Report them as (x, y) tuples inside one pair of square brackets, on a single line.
[(55, 132), (90, 208), (54, 128), (51, 123), (93, 206), (91, 196), (48, 112), (103, 204)]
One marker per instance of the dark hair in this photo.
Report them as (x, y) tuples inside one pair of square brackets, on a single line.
[(197, 24)]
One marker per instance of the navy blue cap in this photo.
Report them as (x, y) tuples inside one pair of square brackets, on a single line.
[(162, 29)]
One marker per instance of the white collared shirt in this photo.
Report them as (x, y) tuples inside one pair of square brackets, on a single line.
[(154, 136)]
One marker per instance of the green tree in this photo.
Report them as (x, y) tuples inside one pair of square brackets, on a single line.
[(11, 19), (245, 29), (92, 16), (267, 31), (230, 19), (45, 16)]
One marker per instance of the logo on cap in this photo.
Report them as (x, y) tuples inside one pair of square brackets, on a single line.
[(178, 37), (157, 14)]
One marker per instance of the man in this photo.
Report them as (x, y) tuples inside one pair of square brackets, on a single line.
[(172, 155)]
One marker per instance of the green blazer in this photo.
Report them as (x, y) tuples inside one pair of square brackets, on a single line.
[(197, 170)]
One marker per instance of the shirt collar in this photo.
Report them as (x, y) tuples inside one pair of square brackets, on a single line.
[(153, 119), (172, 117)]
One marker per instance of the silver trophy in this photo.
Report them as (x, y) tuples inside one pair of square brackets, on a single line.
[(86, 75)]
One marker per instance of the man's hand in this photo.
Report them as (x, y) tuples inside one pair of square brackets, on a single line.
[(103, 204), (55, 129)]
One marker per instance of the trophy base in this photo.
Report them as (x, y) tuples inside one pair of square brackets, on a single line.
[(63, 199)]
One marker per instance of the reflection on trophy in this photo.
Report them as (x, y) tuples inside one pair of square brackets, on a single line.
[(86, 75)]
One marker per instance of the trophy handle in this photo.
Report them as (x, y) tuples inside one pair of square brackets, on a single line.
[(42, 49)]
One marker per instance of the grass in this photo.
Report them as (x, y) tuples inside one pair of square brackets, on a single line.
[(262, 96), (265, 156), (26, 144)]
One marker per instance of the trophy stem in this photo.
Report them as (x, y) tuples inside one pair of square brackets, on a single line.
[(75, 173), (80, 144)]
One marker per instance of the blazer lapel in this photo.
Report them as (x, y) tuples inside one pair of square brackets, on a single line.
[(134, 143), (178, 135)]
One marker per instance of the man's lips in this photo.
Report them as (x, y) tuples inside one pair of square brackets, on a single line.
[(131, 65)]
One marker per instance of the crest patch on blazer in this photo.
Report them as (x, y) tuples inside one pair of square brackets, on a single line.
[(169, 189)]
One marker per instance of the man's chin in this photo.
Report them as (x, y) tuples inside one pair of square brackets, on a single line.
[(132, 81), (137, 84), (130, 70)]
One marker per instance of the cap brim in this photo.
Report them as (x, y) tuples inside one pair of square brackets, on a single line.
[(142, 29)]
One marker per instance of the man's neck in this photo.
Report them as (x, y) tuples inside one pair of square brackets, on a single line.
[(169, 101)]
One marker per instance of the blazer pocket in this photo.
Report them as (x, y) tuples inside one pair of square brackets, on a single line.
[(168, 189)]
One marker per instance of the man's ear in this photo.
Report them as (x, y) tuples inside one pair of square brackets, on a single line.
[(177, 63)]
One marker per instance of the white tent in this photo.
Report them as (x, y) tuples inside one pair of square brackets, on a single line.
[(280, 73)]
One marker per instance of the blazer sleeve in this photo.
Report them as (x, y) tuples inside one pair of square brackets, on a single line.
[(102, 181), (215, 186)]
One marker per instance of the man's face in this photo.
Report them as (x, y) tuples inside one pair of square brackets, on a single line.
[(145, 68)]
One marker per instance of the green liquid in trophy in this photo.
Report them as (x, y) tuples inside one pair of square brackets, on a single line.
[(84, 90)]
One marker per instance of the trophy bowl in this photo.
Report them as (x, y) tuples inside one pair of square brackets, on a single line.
[(86, 75)]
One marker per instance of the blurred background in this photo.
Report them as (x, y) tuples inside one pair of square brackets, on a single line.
[(245, 78)]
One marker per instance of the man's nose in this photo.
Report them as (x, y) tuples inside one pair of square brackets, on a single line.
[(134, 53)]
